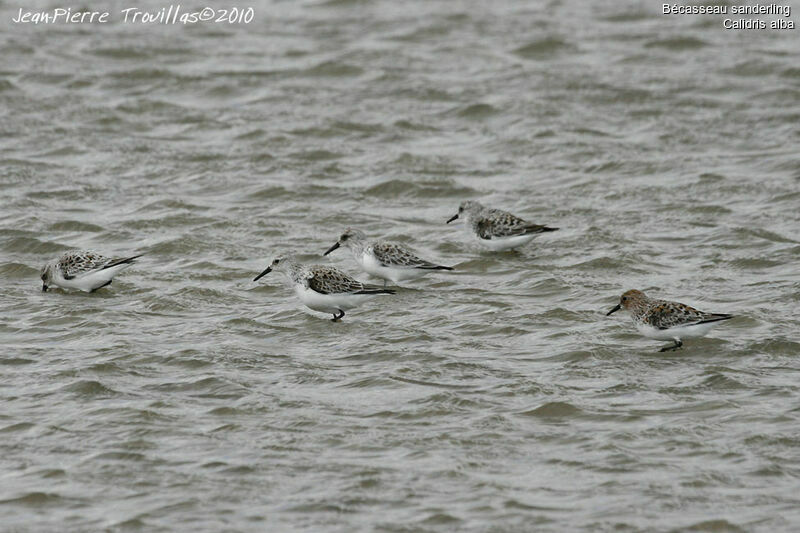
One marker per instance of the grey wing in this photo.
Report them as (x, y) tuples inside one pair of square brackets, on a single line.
[(75, 264), (393, 255), (498, 223), (327, 280), (665, 315)]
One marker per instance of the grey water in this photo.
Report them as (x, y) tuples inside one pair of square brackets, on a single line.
[(495, 398)]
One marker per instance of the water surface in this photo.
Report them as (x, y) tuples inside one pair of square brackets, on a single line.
[(496, 398)]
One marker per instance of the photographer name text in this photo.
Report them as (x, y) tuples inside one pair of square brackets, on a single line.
[(172, 14)]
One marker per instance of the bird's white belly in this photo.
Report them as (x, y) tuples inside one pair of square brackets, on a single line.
[(92, 280), (372, 266), (328, 303), (499, 244), (678, 332)]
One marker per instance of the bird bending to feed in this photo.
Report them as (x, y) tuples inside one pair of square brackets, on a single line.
[(386, 260), (323, 288), (496, 229), (86, 271), (664, 320)]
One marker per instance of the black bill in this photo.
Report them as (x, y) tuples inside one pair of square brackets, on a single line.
[(332, 248), (267, 271)]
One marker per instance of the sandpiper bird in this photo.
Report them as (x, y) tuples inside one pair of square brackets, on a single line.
[(496, 229), (664, 320), (386, 260), (323, 288), (87, 271)]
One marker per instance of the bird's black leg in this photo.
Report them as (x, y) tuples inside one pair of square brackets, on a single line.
[(101, 286), (678, 344), (337, 318)]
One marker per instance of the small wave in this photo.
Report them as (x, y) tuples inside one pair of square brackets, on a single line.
[(751, 68), (544, 48), (142, 106), (362, 127), (370, 382), (764, 234), (147, 74), (606, 263), (316, 155), (17, 271), (257, 133), (16, 361), (554, 410), (777, 346), (122, 52), (440, 518), (120, 456), (476, 111), (34, 499), (432, 32), (714, 210), (52, 473), (32, 245), (396, 187), (591, 132), (89, 388), (793, 72), (415, 126), (13, 428), (426, 94), (754, 263), (720, 525), (210, 387), (333, 69), (344, 3), (225, 411), (75, 225), (722, 382), (678, 43), (430, 384), (628, 16)]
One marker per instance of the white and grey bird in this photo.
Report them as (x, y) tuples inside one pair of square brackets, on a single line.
[(665, 320), (83, 270), (496, 229), (386, 260), (323, 288)]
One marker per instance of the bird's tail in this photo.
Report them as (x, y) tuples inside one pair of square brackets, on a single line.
[(127, 260), (436, 267), (715, 318), (536, 228), (376, 290)]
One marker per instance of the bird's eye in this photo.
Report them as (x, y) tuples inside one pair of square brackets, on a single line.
[(460, 209), (277, 261), (344, 237), (624, 298)]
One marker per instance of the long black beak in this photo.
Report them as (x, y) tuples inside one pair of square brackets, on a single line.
[(616, 308), (44, 287), (332, 248), (267, 271), (452, 218)]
